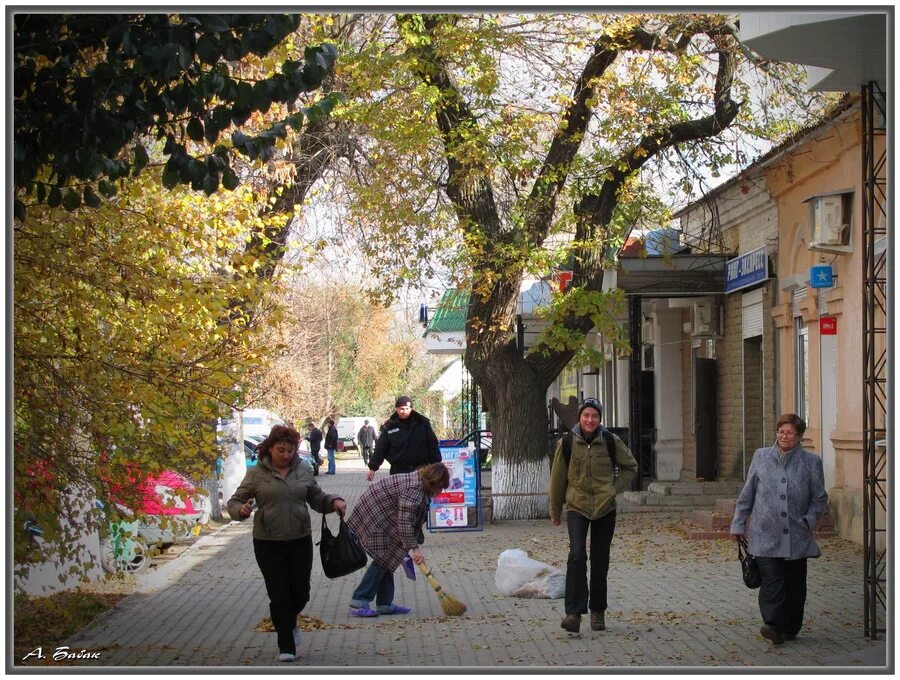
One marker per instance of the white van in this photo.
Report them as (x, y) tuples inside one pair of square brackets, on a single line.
[(259, 421), (348, 427)]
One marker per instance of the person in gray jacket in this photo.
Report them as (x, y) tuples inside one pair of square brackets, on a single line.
[(282, 534), (785, 496)]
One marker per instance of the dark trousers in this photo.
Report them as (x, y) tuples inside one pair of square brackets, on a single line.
[(782, 594), (286, 568), (578, 598)]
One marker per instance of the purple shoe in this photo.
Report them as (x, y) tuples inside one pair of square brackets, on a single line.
[(394, 609), (363, 612)]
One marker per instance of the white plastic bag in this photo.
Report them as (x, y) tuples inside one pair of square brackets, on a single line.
[(520, 576)]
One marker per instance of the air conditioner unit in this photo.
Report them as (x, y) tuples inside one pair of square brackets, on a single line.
[(827, 224), (702, 319)]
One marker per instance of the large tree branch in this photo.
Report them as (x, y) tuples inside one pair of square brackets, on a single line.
[(595, 211)]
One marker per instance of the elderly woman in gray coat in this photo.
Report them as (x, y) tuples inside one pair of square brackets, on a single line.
[(785, 495), (387, 519)]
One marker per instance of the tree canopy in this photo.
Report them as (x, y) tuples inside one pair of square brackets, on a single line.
[(89, 88), (535, 142)]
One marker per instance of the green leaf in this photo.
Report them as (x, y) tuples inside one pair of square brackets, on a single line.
[(211, 183), (208, 49), (171, 173), (107, 188), (214, 23), (195, 129), (229, 179), (141, 158), (72, 200), (91, 199)]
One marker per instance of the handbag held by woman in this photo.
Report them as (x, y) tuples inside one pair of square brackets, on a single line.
[(749, 567), (341, 554)]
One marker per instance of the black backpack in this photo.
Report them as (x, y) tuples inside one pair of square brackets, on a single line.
[(610, 448)]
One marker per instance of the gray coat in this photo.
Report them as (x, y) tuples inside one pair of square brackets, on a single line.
[(785, 501)]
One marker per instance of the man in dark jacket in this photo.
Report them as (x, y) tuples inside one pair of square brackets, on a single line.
[(366, 440), (406, 441), (314, 437), (331, 442)]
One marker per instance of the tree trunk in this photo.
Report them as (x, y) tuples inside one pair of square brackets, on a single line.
[(514, 393)]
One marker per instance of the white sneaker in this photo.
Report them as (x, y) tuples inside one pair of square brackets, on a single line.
[(296, 637), (284, 656)]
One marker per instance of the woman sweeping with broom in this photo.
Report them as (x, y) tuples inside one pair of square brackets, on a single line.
[(387, 519)]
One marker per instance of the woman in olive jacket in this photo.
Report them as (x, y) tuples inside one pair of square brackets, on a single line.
[(283, 486), (588, 483), (785, 494)]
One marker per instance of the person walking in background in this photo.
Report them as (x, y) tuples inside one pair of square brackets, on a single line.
[(387, 519), (331, 440), (366, 440), (590, 466), (282, 540), (785, 494), (314, 437), (406, 441)]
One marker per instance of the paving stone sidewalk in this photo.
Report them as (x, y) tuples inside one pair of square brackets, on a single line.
[(674, 603)]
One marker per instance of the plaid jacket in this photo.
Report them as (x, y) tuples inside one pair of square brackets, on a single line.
[(387, 517)]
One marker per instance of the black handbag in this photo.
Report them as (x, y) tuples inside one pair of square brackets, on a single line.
[(341, 554), (749, 567)]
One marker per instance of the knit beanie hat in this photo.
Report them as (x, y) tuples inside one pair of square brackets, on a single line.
[(590, 402), (402, 401)]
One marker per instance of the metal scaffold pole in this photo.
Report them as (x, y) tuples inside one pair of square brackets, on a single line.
[(876, 550)]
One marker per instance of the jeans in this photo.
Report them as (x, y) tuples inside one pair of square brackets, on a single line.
[(366, 453), (286, 568), (782, 595), (602, 530), (331, 468), (378, 584)]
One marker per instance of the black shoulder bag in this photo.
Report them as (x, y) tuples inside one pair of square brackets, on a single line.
[(341, 554), (749, 567)]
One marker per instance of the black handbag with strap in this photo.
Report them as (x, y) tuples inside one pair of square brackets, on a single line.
[(749, 567), (341, 554)]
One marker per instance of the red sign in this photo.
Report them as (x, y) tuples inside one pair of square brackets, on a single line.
[(827, 325), (450, 497), (564, 281)]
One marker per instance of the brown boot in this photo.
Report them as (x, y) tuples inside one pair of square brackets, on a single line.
[(598, 621), (571, 623), (770, 633)]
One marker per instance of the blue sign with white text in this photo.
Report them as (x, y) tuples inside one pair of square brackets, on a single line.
[(746, 270), (821, 276)]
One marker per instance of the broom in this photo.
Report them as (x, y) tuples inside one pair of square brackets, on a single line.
[(450, 605)]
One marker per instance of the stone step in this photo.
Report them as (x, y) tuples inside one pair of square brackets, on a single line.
[(726, 506), (721, 488), (712, 520), (654, 499), (712, 524)]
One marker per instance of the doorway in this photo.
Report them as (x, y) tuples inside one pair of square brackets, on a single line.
[(705, 425), (753, 416)]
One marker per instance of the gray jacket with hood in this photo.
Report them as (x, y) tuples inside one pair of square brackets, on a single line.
[(785, 500), (281, 503)]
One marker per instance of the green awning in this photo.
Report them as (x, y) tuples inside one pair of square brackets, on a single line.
[(450, 314)]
